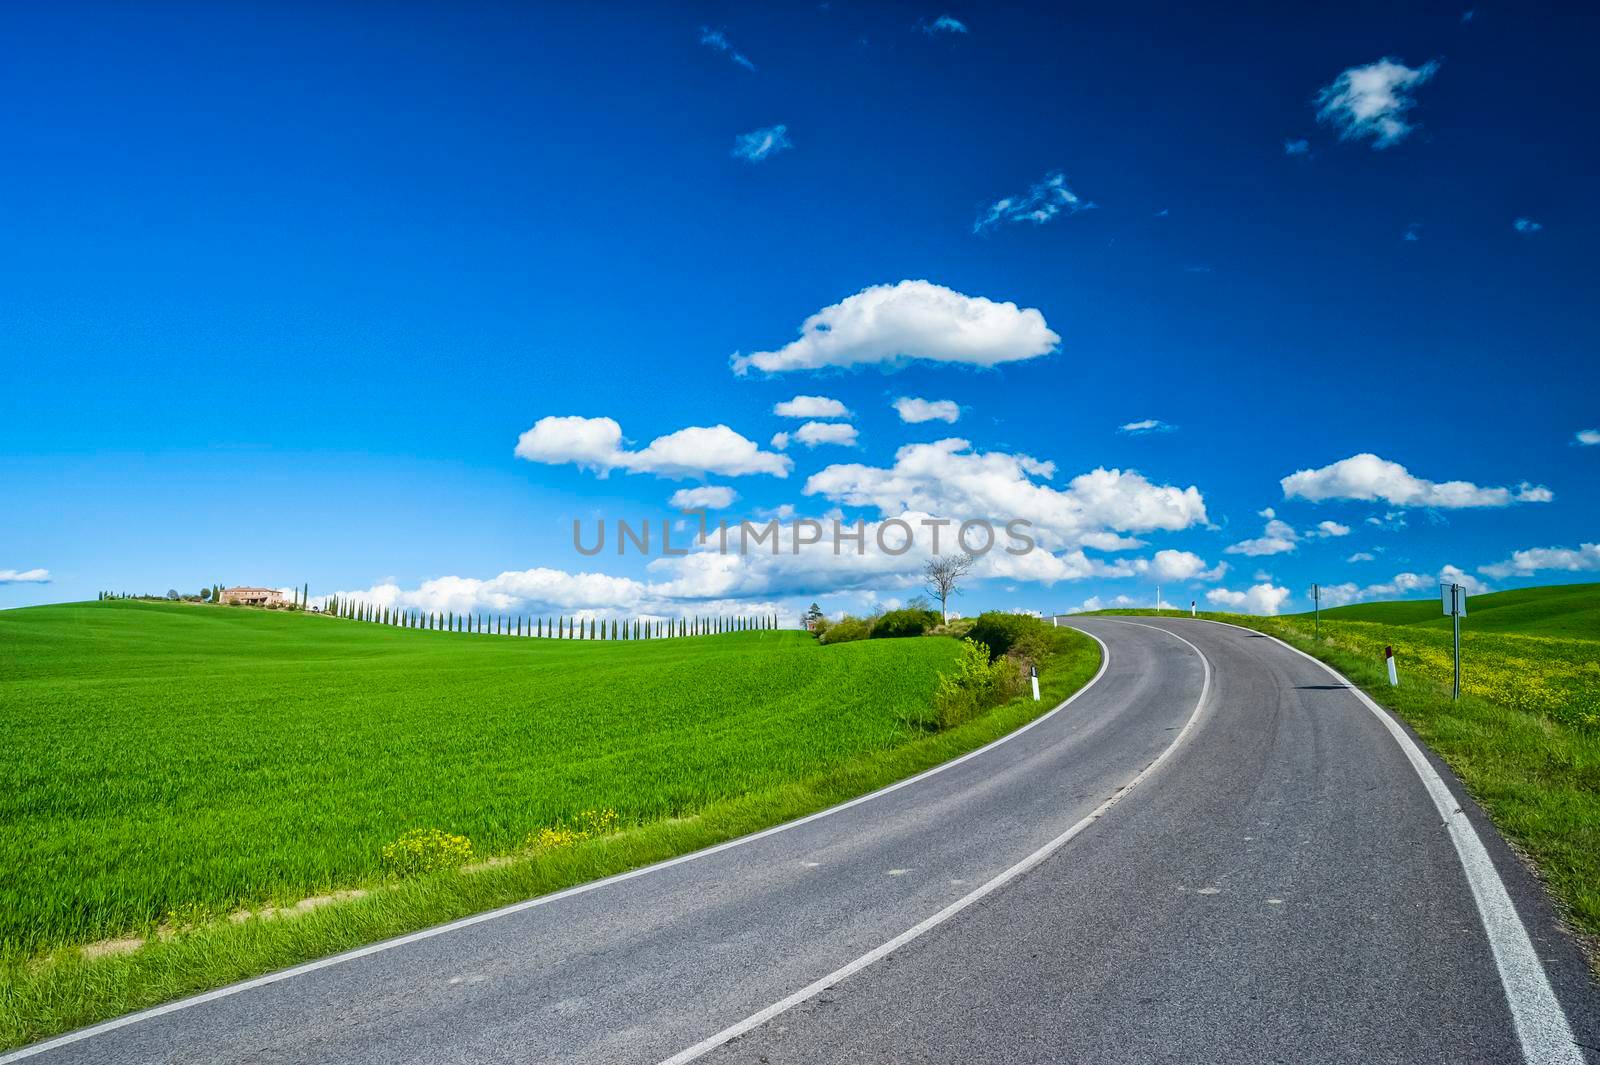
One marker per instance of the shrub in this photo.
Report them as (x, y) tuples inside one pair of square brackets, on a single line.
[(976, 684), (1000, 631), (897, 624), (846, 630), (425, 850)]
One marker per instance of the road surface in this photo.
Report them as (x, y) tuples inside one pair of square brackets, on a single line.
[(1216, 852)]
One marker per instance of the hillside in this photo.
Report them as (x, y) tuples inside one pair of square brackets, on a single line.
[(1568, 610)]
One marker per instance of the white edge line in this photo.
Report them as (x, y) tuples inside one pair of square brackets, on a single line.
[(811, 990), (542, 900), (1541, 1023)]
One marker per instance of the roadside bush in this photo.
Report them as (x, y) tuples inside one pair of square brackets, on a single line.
[(1000, 631), (897, 624), (846, 630), (425, 850), (976, 684)]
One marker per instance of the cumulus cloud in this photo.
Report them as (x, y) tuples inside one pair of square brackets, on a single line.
[(596, 443), (944, 24), (24, 576), (1043, 201), (890, 324), (1278, 538), (1170, 565), (758, 144), (914, 411), (1586, 437), (811, 407), (1583, 558), (1400, 586), (1368, 477), (1148, 425), (1526, 225), (1372, 101), (950, 477), (1263, 598), (718, 40), (706, 497), (1361, 556), (812, 434), (542, 592)]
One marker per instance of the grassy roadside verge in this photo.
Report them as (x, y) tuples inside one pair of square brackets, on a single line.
[(1537, 777), (65, 990)]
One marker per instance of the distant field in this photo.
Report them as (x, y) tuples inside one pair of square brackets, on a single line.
[(187, 760), (1569, 610), (1533, 650)]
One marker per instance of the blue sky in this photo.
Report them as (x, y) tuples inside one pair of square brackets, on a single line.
[(284, 287)]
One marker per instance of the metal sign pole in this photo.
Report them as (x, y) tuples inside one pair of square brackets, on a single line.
[(1456, 597), (1453, 597)]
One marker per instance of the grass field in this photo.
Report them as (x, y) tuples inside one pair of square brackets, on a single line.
[(168, 766), (1525, 736)]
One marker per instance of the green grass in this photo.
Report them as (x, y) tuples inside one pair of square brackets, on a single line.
[(1570, 610), (169, 765), (1524, 738)]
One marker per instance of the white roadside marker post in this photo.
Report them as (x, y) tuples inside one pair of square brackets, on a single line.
[(1033, 673), (1191, 609), (1388, 656)]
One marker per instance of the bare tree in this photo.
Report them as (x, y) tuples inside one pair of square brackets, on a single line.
[(941, 575)]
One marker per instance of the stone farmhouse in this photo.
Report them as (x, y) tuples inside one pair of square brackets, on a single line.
[(255, 597)]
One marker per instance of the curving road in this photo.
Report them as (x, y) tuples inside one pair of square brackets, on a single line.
[(1216, 852)]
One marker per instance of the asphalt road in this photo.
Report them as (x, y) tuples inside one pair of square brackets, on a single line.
[(1215, 853)]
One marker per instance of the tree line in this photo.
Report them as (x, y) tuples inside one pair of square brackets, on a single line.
[(559, 628)]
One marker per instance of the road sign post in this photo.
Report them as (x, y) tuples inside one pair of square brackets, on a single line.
[(1316, 606), (1453, 597)]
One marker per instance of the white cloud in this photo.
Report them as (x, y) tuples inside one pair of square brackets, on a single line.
[(1042, 202), (1362, 556), (1371, 101), (948, 477), (914, 411), (811, 407), (758, 144), (780, 440), (1586, 437), (1400, 586), (25, 576), (706, 497), (1584, 558), (1368, 477), (812, 434), (1169, 565), (1331, 528), (1278, 538), (596, 443), (911, 320), (718, 40), (1148, 425), (1527, 225), (1297, 147), (945, 24), (1263, 598)]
